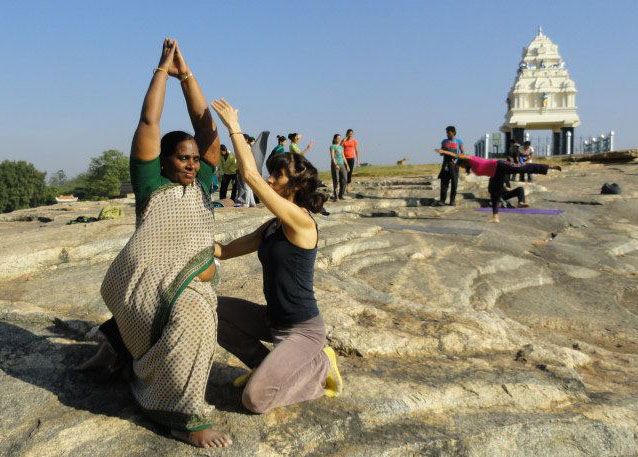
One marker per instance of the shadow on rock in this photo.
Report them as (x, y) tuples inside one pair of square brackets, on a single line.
[(40, 360), (47, 358)]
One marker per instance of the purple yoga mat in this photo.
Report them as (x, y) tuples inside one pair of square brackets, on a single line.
[(552, 212)]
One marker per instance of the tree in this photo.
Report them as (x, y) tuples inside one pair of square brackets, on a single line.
[(58, 179), (107, 173), (21, 186)]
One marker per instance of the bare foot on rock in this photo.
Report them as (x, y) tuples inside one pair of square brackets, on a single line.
[(204, 438), (495, 219), (104, 359)]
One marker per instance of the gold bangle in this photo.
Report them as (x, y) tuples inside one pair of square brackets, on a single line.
[(235, 133), (183, 78), (160, 69)]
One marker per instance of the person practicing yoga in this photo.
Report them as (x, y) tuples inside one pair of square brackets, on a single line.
[(295, 138), (159, 286), (498, 172), (300, 367), (338, 168)]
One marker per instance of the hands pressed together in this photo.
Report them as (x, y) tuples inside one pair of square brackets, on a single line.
[(172, 61)]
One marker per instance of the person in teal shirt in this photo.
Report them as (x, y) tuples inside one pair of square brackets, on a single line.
[(338, 168), (280, 148)]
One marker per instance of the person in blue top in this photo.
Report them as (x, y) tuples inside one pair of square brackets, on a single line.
[(449, 173), (279, 149)]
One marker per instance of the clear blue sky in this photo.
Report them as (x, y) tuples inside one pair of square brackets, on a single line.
[(74, 73)]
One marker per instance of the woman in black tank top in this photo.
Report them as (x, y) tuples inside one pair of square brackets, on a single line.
[(300, 367)]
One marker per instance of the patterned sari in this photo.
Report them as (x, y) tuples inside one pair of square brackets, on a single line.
[(166, 316)]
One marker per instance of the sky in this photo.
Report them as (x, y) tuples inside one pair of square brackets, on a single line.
[(397, 72)]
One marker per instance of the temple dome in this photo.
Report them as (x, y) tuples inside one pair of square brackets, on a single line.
[(542, 95)]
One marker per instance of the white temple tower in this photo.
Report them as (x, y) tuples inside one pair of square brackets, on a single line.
[(543, 96)]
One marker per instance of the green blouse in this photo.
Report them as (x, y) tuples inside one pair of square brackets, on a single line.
[(146, 176)]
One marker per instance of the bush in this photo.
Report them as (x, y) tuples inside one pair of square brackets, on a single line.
[(106, 174), (21, 186)]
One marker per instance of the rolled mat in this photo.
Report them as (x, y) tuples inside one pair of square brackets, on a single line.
[(551, 212)]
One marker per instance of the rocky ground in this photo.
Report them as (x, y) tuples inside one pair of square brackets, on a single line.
[(456, 336)]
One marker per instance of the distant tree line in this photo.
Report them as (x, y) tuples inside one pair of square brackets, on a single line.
[(23, 186)]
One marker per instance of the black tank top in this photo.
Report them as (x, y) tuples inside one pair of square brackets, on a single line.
[(288, 279)]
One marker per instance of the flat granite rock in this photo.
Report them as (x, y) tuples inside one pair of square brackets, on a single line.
[(456, 337)]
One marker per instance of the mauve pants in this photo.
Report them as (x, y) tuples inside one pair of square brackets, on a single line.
[(294, 371)]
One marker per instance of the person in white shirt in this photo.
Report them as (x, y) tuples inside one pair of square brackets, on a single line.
[(526, 152)]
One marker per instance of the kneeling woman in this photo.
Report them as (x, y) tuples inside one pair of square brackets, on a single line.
[(498, 172), (300, 367), (158, 286)]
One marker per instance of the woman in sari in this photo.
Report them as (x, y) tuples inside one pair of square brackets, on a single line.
[(300, 367), (159, 286)]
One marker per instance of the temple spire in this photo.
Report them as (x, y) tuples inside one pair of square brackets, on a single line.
[(540, 30)]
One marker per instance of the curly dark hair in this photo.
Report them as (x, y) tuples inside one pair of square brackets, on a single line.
[(303, 179)]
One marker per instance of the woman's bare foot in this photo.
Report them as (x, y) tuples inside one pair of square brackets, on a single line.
[(204, 438), (523, 205), (495, 219), (104, 358)]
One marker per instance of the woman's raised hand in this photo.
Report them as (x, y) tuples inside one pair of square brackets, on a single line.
[(168, 56), (228, 115), (181, 67)]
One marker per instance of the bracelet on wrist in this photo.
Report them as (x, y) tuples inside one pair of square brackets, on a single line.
[(236, 133), (160, 69), (184, 77)]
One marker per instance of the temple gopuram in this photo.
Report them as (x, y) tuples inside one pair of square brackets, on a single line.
[(543, 97)]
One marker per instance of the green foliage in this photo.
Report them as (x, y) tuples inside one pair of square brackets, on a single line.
[(58, 179), (106, 174), (21, 186)]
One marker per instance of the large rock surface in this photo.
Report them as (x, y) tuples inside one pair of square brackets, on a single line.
[(456, 336)]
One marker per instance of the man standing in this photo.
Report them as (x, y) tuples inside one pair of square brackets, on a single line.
[(228, 167), (449, 168)]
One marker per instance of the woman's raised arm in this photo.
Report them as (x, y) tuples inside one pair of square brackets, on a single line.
[(146, 140), (205, 129), (443, 152)]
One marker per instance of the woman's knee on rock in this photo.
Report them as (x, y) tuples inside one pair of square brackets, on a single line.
[(255, 399)]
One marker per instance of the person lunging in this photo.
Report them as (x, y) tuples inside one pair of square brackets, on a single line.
[(498, 172), (158, 287)]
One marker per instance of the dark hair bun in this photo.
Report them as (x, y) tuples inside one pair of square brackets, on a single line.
[(303, 179)]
